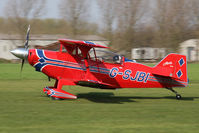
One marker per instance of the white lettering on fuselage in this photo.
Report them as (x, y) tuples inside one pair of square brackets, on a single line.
[(127, 74)]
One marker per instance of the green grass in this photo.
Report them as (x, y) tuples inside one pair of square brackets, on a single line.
[(25, 109)]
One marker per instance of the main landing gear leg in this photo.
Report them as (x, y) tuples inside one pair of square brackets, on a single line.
[(178, 96), (56, 92)]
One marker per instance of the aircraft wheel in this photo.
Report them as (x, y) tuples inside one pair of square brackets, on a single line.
[(54, 98), (178, 96), (47, 95)]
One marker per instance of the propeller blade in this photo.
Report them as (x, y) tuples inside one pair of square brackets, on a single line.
[(27, 38), (22, 63), (22, 53), (48, 78)]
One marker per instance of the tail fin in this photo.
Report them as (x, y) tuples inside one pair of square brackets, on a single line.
[(173, 65)]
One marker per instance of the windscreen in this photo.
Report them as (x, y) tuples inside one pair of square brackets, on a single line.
[(105, 55)]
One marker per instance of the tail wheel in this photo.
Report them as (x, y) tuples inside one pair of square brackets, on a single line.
[(178, 96)]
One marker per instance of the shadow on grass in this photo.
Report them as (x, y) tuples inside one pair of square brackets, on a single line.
[(99, 97), (104, 97), (168, 97)]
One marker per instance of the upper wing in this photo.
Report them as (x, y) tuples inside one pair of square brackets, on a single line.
[(77, 43)]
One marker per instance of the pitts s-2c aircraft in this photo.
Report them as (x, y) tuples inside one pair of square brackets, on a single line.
[(77, 63)]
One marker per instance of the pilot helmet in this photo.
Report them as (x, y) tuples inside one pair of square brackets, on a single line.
[(117, 59)]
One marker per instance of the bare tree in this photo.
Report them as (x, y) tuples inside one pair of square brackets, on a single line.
[(129, 14), (172, 20), (162, 20), (20, 12), (108, 10), (194, 14), (74, 11)]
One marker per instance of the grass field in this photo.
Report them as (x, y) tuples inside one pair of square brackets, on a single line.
[(25, 109)]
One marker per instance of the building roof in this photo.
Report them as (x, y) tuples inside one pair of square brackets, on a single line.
[(51, 37), (190, 42)]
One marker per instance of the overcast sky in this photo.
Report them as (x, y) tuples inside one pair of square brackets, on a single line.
[(52, 10)]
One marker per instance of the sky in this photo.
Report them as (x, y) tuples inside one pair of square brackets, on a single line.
[(2, 4), (52, 9)]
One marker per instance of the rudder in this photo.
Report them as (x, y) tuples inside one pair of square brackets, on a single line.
[(173, 65)]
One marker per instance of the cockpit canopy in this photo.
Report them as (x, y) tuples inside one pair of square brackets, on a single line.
[(89, 50), (105, 55)]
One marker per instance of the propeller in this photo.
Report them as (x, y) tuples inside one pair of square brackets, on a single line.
[(22, 53), (49, 78), (27, 38), (25, 46)]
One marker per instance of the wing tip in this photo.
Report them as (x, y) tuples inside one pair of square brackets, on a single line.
[(86, 43)]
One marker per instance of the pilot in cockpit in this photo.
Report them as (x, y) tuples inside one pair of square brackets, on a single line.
[(117, 58)]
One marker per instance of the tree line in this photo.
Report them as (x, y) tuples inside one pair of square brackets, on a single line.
[(126, 23), (45, 26)]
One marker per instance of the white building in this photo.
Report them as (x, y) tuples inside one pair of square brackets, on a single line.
[(10, 42), (148, 53), (190, 48)]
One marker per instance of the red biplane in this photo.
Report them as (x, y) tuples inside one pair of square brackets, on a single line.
[(78, 63)]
